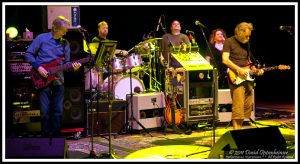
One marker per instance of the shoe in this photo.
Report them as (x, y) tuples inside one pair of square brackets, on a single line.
[(188, 132), (177, 130)]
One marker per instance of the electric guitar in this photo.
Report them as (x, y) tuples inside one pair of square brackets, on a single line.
[(40, 82), (236, 79), (172, 104)]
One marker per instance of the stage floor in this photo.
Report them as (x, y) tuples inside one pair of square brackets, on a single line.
[(163, 144), (158, 144)]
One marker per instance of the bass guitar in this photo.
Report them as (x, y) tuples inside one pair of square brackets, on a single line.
[(236, 79), (40, 82), (173, 113)]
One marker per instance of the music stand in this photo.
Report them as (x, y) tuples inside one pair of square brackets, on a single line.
[(105, 54), (106, 48)]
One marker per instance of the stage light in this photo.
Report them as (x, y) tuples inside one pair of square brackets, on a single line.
[(12, 31)]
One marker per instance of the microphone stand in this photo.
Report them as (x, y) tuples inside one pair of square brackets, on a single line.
[(92, 152), (110, 154), (214, 84)]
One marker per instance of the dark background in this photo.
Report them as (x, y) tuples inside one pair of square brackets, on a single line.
[(128, 24)]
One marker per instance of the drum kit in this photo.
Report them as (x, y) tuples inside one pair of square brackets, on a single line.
[(141, 60)]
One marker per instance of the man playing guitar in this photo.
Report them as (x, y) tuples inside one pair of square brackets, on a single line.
[(45, 52)]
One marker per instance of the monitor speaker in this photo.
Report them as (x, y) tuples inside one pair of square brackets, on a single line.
[(265, 142), (35, 148)]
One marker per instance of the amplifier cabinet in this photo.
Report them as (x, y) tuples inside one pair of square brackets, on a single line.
[(100, 122), (147, 108)]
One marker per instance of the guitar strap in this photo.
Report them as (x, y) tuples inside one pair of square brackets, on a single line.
[(256, 63)]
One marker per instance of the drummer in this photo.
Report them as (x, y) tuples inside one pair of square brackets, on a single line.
[(102, 34), (99, 74)]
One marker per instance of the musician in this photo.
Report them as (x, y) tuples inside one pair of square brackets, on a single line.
[(47, 48), (102, 35), (236, 54), (173, 42), (216, 42)]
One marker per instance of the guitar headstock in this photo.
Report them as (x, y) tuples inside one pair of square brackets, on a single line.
[(284, 67)]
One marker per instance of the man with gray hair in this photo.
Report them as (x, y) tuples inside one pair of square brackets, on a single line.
[(237, 57), (45, 52)]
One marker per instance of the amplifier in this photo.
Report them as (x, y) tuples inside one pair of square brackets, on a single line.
[(15, 56), (26, 121), (99, 111), (26, 116), (147, 108), (19, 68)]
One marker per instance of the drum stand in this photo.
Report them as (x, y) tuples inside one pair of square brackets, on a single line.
[(150, 75), (152, 79), (131, 110)]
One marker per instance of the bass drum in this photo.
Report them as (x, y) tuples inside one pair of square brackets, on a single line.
[(121, 85)]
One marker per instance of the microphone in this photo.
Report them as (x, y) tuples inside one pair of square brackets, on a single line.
[(81, 29), (286, 27), (159, 21), (197, 23), (189, 32)]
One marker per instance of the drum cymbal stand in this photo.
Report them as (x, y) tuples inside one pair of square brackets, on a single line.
[(132, 118), (156, 66), (157, 82), (150, 67)]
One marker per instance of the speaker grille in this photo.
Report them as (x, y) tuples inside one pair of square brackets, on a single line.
[(73, 106)]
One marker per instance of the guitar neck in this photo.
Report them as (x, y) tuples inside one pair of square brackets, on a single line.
[(265, 69), (63, 67)]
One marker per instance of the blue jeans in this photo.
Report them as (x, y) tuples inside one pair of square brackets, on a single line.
[(51, 104)]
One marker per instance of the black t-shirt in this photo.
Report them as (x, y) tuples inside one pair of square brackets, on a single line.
[(239, 54)]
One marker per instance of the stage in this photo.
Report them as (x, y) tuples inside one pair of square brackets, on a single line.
[(166, 145)]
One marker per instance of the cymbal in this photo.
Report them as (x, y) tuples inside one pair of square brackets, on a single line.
[(93, 47), (149, 41)]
